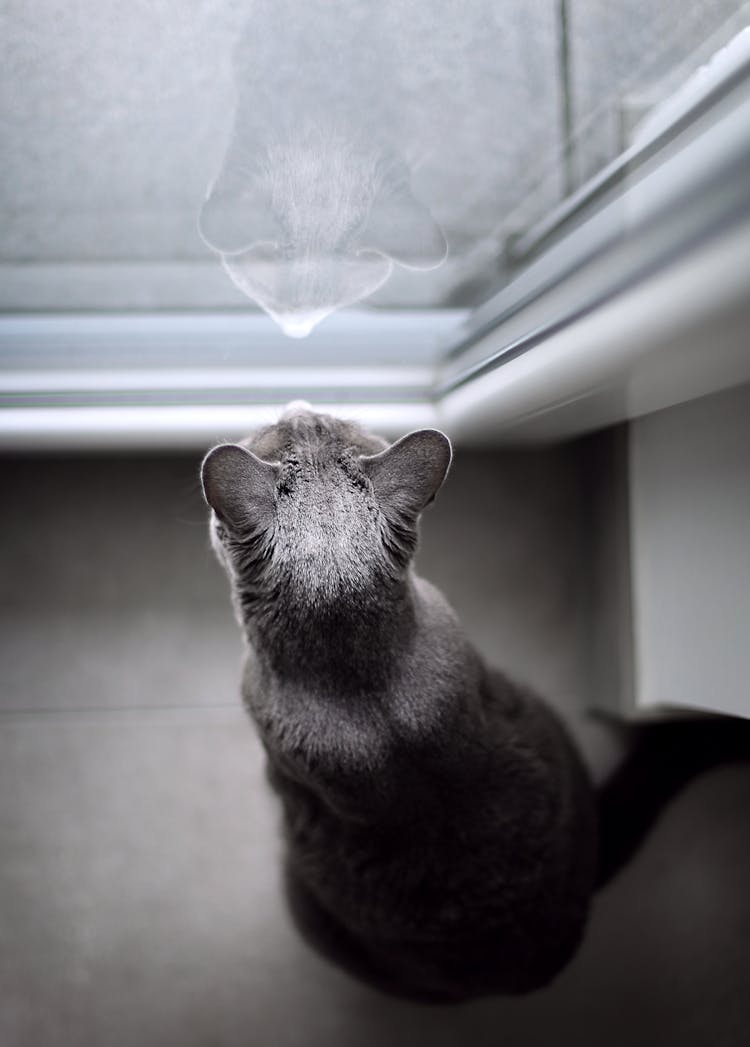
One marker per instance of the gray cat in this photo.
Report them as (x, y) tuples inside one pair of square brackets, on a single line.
[(440, 828)]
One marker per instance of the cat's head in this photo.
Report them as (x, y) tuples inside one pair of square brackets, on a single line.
[(316, 510)]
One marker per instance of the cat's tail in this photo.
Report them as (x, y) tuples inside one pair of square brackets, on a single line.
[(663, 759)]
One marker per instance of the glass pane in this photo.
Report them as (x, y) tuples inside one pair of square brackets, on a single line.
[(345, 143)]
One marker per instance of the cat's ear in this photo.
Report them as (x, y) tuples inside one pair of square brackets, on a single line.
[(238, 486), (409, 473)]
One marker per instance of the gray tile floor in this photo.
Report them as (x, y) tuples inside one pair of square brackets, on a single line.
[(139, 894)]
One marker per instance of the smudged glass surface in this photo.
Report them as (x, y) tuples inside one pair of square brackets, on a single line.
[(301, 156)]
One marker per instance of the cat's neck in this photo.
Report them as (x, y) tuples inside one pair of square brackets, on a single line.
[(353, 642)]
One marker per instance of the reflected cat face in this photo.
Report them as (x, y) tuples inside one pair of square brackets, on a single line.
[(306, 227), (313, 204)]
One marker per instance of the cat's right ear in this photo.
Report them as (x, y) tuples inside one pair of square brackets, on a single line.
[(409, 473), (238, 486)]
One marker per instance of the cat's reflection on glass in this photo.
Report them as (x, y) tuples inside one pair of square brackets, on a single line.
[(313, 204)]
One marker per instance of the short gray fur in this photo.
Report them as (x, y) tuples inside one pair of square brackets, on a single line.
[(440, 827)]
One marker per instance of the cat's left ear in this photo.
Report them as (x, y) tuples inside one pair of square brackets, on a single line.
[(409, 473), (239, 486)]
